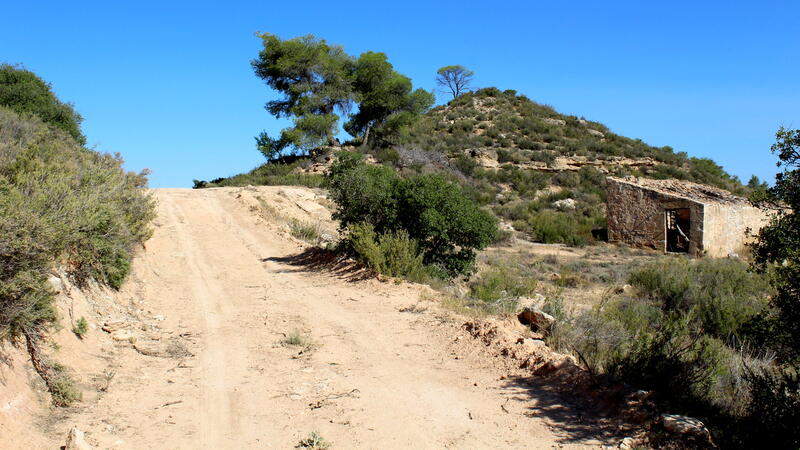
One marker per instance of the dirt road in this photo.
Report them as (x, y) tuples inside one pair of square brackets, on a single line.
[(279, 350)]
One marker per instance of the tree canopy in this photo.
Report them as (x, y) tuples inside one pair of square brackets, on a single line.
[(319, 82), (24, 92), (386, 100), (778, 244), (456, 79), (315, 80)]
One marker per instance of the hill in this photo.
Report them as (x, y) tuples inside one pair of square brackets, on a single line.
[(541, 171)]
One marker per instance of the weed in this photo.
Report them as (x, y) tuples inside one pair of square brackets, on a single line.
[(314, 441), (81, 327), (63, 390), (297, 339), (305, 231)]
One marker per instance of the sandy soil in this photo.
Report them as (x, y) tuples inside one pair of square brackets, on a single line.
[(222, 287)]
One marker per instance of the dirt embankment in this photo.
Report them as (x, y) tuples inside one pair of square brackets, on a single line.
[(230, 334)]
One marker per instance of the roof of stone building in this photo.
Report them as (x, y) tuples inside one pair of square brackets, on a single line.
[(685, 189)]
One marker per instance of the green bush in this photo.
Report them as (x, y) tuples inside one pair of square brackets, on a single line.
[(393, 254), (273, 173), (556, 227), (721, 294), (304, 231), (500, 284), (81, 327), (26, 94), (61, 204), (433, 211), (687, 335)]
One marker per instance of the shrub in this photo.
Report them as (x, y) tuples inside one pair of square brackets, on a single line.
[(62, 389), (304, 231), (273, 173), (393, 254), (558, 227), (501, 284), (61, 203), (433, 211), (81, 327), (721, 294), (27, 94)]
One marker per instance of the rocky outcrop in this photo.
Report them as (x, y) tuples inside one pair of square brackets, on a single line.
[(76, 440)]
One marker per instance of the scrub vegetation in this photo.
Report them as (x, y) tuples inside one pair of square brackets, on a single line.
[(61, 205)]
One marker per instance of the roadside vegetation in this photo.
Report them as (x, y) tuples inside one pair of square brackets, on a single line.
[(407, 226), (61, 205)]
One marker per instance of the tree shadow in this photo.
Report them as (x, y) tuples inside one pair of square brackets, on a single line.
[(315, 259), (575, 414)]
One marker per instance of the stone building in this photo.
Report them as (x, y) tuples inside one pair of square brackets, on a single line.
[(679, 216)]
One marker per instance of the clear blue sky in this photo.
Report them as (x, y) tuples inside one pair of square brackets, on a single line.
[(168, 84)]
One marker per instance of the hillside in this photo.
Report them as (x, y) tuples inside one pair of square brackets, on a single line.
[(540, 171)]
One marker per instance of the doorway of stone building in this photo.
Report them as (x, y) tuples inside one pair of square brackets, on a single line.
[(676, 224)]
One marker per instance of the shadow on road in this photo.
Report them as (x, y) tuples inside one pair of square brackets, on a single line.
[(574, 422), (314, 259)]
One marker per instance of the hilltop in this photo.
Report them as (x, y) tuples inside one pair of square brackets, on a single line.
[(540, 171)]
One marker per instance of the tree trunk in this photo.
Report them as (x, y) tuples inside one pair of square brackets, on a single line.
[(366, 137)]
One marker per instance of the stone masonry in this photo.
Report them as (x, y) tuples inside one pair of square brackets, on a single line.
[(713, 222)]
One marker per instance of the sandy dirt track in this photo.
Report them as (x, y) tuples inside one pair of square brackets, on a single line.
[(228, 286)]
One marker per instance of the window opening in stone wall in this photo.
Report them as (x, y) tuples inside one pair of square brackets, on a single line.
[(677, 229)]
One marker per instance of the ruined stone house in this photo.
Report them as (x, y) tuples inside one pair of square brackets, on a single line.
[(679, 216)]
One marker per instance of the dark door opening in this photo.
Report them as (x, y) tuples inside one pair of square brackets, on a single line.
[(677, 229)]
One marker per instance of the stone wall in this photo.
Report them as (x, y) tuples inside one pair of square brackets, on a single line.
[(636, 216), (726, 225)]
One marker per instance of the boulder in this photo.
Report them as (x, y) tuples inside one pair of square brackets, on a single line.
[(564, 204), (55, 283), (530, 302), (596, 133), (76, 440), (149, 348), (114, 325), (536, 318), (551, 121), (122, 335), (685, 426), (627, 444)]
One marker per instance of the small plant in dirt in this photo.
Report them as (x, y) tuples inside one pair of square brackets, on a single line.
[(81, 327), (314, 441), (63, 390), (297, 339), (502, 284), (305, 231)]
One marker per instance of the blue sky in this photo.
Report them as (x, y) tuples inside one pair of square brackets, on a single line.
[(169, 85)]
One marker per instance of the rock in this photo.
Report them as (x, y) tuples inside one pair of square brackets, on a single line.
[(114, 325), (627, 443), (596, 133), (627, 289), (530, 302), (55, 283), (122, 335), (150, 349), (536, 318), (564, 204), (552, 121), (686, 426), (76, 440), (624, 289)]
